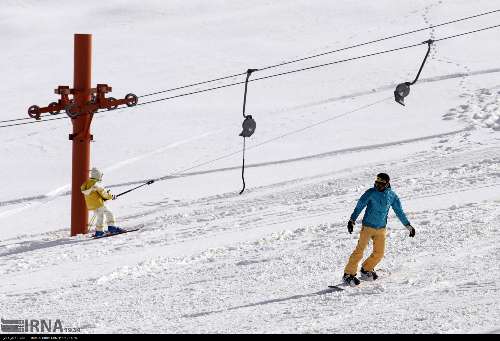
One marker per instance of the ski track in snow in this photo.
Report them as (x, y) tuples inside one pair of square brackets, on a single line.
[(258, 275), (249, 276), (262, 262), (64, 190), (43, 199)]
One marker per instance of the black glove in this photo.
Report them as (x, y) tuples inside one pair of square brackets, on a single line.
[(411, 229), (350, 226)]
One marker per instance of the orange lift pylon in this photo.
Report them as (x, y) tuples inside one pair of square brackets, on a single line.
[(81, 108)]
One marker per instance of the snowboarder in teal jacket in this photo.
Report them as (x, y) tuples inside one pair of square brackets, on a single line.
[(377, 200)]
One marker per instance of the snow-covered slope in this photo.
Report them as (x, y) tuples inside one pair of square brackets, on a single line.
[(208, 259)]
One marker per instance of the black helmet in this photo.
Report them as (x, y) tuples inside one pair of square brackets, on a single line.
[(382, 182), (383, 177)]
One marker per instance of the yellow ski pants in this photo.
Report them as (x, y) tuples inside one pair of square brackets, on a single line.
[(367, 234)]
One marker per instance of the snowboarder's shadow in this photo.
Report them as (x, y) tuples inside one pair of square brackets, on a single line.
[(277, 300)]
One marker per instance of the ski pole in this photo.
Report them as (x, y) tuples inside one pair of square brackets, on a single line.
[(133, 189), (92, 221)]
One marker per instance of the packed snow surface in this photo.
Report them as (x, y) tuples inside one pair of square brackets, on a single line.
[(208, 260)]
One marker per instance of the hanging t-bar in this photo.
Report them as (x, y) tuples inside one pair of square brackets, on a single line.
[(248, 126), (403, 89), (133, 189)]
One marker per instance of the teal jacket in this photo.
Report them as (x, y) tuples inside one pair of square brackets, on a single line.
[(377, 208)]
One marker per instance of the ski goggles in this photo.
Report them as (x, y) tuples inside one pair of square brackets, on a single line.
[(380, 183)]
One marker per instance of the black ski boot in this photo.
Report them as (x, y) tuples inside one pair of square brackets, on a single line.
[(350, 280), (368, 275)]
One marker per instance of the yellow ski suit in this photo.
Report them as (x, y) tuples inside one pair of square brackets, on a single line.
[(94, 199), (94, 195)]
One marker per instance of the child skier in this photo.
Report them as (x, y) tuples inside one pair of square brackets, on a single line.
[(377, 200), (95, 196)]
